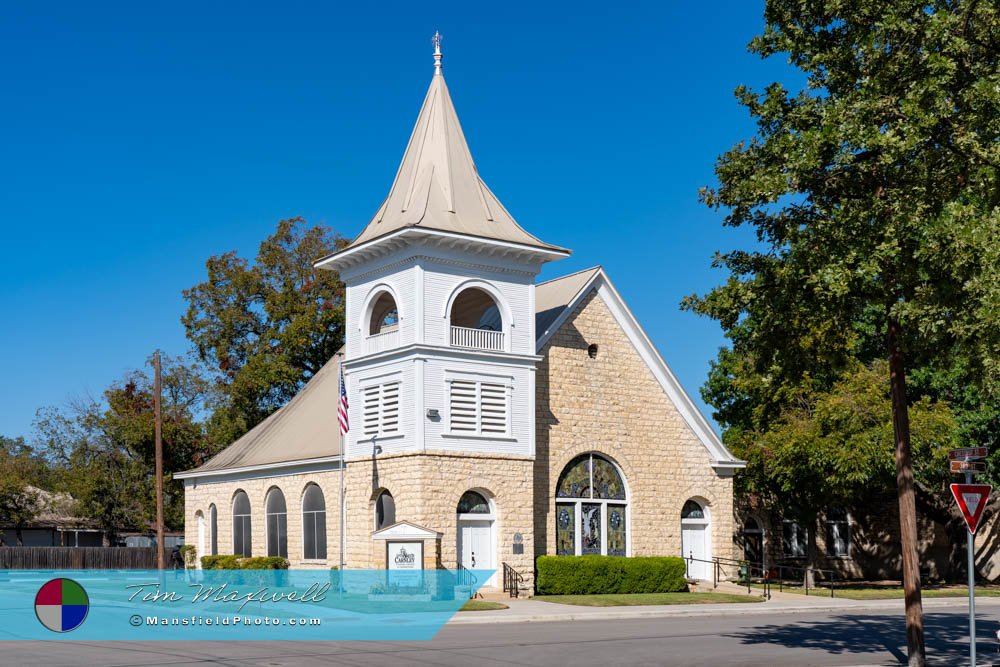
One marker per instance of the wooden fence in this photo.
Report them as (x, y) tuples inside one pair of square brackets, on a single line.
[(77, 558)]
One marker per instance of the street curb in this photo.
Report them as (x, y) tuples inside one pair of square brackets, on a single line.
[(740, 609)]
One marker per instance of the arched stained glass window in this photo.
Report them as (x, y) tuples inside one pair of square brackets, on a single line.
[(277, 523), (591, 508), (313, 524), (472, 502), (242, 545)]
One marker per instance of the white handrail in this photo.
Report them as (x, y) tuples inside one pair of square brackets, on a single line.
[(380, 342), (477, 339)]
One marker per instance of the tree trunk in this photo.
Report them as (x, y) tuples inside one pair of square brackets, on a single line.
[(907, 503), (18, 535), (809, 574)]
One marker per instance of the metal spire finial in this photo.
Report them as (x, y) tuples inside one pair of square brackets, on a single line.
[(436, 40)]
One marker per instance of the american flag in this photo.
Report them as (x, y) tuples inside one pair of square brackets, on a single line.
[(342, 408)]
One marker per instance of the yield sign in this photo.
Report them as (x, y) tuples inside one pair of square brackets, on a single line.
[(971, 500)]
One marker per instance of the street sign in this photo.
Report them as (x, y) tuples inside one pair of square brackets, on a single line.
[(968, 466), (968, 453), (971, 499)]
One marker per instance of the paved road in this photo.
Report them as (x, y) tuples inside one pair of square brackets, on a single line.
[(771, 640)]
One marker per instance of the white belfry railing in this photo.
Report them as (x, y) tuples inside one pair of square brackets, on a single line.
[(478, 339), (380, 342)]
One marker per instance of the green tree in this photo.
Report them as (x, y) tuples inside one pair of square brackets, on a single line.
[(103, 452), (875, 199), (834, 447), (20, 474), (266, 327)]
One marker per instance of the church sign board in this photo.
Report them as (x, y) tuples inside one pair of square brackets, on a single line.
[(405, 562)]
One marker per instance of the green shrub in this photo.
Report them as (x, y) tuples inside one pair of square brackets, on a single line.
[(264, 563), (588, 575), (230, 562), (219, 562)]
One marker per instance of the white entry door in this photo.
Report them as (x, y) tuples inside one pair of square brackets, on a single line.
[(475, 545), (694, 538)]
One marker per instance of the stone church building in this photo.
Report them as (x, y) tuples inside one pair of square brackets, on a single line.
[(491, 419)]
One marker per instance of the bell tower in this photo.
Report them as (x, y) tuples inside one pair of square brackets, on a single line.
[(440, 352)]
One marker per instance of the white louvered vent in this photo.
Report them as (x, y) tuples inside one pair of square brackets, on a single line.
[(381, 409), (390, 408), (371, 395), (463, 407), (478, 408), (493, 409)]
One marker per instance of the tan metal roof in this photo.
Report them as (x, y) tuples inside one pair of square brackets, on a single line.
[(437, 185), (303, 429), (554, 296)]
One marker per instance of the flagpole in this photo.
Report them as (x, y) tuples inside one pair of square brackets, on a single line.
[(343, 499)]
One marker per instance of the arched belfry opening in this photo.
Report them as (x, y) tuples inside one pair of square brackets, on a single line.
[(476, 320), (385, 315)]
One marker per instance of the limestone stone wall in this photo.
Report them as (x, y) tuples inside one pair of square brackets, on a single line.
[(426, 488), (613, 405), (199, 494)]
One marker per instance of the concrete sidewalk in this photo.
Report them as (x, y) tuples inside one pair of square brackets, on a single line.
[(535, 611)]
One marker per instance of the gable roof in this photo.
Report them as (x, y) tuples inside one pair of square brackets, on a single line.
[(303, 430), (554, 296), (437, 185), (560, 298)]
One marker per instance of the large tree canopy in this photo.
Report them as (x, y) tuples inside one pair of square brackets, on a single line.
[(102, 452), (268, 326), (875, 198)]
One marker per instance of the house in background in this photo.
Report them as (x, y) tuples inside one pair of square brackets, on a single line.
[(54, 525), (492, 419)]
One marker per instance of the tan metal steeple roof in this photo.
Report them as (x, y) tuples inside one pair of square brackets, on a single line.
[(437, 185)]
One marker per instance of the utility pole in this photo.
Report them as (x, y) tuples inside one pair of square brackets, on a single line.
[(158, 420)]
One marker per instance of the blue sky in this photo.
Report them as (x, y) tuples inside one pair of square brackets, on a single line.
[(139, 139)]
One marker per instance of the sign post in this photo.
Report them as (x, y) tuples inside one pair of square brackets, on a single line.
[(971, 499)]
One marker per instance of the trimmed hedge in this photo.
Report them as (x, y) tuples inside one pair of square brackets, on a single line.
[(589, 575), (230, 562)]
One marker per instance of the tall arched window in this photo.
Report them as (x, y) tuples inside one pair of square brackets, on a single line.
[(591, 508), (385, 510), (242, 545), (277, 523), (213, 530), (313, 524)]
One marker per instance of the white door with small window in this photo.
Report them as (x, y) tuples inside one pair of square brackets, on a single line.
[(475, 545), (696, 540), (476, 536)]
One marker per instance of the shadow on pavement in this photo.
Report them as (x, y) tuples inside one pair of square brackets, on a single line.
[(946, 636)]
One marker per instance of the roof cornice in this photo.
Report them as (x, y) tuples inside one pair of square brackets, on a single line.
[(382, 245)]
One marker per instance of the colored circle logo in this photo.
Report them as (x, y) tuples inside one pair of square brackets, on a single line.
[(61, 605)]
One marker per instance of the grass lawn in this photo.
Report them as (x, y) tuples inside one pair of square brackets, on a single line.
[(893, 592), (627, 599), (482, 605)]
